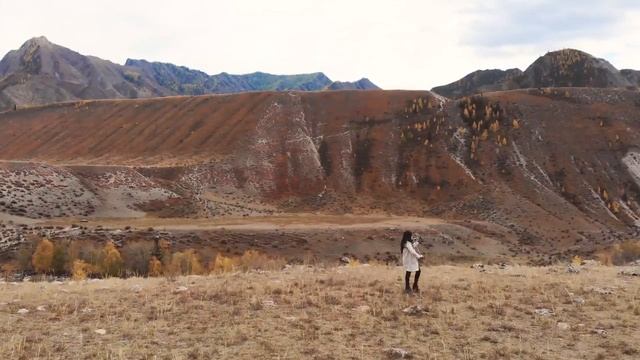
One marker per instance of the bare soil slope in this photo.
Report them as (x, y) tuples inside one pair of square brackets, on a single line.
[(557, 168)]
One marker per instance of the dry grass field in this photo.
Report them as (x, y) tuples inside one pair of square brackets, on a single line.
[(350, 312)]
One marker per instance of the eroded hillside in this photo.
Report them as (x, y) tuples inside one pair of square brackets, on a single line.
[(557, 169)]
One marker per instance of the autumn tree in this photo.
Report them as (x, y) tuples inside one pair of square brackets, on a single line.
[(111, 262), (221, 264), (60, 259), (155, 267), (186, 263), (80, 270), (42, 258)]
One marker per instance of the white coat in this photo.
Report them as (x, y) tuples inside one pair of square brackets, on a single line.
[(410, 257)]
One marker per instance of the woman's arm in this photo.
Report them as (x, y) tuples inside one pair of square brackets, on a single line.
[(412, 250)]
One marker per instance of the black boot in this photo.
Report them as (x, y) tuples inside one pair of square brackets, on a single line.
[(416, 289), (407, 277)]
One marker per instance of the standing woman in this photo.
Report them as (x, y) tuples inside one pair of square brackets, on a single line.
[(410, 261)]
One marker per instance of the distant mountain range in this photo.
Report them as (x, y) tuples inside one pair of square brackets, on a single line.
[(41, 72), (563, 68)]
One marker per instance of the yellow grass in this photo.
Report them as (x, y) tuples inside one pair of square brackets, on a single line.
[(353, 312)]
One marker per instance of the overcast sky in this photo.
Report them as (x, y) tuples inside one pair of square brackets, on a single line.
[(398, 44)]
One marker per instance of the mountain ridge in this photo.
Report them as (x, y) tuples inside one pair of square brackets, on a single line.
[(42, 72), (561, 68)]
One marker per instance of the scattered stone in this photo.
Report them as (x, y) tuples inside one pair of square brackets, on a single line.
[(100, 331), (180, 289), (398, 353), (23, 311), (479, 267), (414, 310), (543, 312), (590, 263), (630, 272), (563, 326), (573, 269), (363, 308), (345, 260), (578, 301), (599, 290), (601, 332), (41, 308)]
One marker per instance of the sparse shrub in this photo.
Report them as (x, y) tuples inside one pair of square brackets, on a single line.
[(86, 251), (185, 263), (221, 264), (354, 263), (111, 263), (162, 251), (577, 260), (8, 269), (24, 255), (154, 267), (621, 253), (252, 259), (627, 251), (42, 258), (60, 259), (137, 256), (80, 270)]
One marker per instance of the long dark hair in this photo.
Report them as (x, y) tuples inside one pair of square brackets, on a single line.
[(405, 237)]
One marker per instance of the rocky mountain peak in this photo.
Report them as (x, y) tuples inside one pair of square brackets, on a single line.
[(561, 68)]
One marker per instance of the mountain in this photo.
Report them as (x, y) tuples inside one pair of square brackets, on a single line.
[(563, 68), (571, 68), (185, 81), (479, 81), (41, 72), (633, 76), (362, 84), (543, 173)]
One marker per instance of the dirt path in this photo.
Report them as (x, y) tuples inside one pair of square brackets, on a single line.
[(291, 222)]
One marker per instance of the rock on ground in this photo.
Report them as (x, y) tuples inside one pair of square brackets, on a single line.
[(398, 353)]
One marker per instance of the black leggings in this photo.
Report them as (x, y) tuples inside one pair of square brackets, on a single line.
[(407, 279)]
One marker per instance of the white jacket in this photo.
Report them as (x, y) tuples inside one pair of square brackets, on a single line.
[(410, 258)]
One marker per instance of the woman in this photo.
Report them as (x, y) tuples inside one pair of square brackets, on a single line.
[(410, 260)]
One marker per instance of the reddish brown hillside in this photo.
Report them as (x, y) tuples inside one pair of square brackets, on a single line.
[(176, 129), (556, 167)]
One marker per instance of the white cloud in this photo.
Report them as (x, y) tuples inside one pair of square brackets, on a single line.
[(409, 44)]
